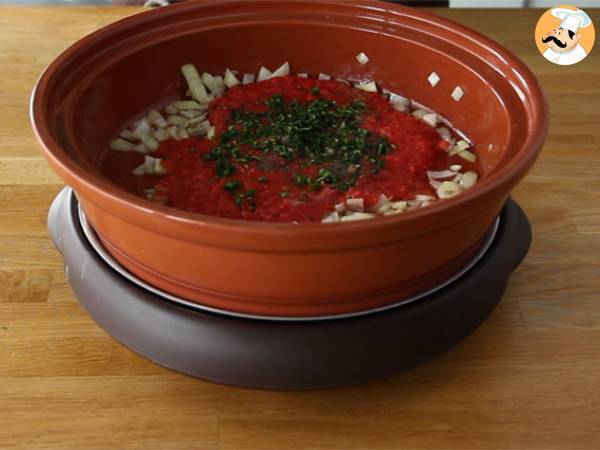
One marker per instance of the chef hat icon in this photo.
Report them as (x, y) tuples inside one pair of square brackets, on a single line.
[(570, 19)]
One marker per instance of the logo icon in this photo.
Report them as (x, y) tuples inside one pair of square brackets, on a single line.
[(564, 35)]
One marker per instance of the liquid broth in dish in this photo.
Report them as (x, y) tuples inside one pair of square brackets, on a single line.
[(296, 149)]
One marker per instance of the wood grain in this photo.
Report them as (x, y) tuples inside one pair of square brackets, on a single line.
[(529, 378)]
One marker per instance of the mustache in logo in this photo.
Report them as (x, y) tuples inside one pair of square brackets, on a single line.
[(556, 41)]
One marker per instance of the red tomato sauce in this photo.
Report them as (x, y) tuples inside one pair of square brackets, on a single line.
[(191, 183)]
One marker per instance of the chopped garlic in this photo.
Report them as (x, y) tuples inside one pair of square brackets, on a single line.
[(457, 93), (173, 132), (159, 169), (456, 167), (399, 103), (340, 207), (382, 205), (183, 134), (170, 109), (139, 170), (248, 78), (302, 75), (433, 79), (355, 204), (399, 205), (419, 113), (469, 156), (362, 58), (151, 143), (368, 86), (191, 113), (230, 79), (437, 174), (463, 145), (161, 134), (324, 76), (195, 85), (263, 74), (215, 84), (444, 134), (282, 71), (142, 129), (121, 145)]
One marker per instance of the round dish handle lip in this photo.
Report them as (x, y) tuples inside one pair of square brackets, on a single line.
[(55, 216)]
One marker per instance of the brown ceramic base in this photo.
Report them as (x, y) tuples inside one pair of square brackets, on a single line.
[(283, 355)]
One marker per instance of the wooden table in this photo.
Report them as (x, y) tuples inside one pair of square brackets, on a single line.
[(528, 378)]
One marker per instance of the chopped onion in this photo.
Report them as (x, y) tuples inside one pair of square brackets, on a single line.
[(444, 134), (343, 80), (433, 79), (448, 189), (463, 145), (457, 93), (419, 113), (469, 156), (340, 207), (173, 132), (161, 134), (210, 132), (248, 78), (357, 216), (151, 143), (468, 179), (355, 204), (176, 120), (149, 163), (191, 113), (263, 74), (121, 145), (183, 134), (140, 148), (424, 198), (456, 167), (430, 119), (156, 119), (214, 83), (331, 218), (186, 105), (302, 75), (127, 134), (139, 170), (435, 184), (142, 129), (170, 109), (230, 79), (324, 76), (400, 205), (282, 71), (195, 85), (368, 86), (159, 169), (437, 174), (362, 58), (382, 205)]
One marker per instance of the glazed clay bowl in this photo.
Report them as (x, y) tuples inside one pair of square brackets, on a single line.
[(99, 84)]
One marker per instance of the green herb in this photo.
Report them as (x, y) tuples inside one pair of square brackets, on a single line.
[(232, 186), (315, 90), (284, 194), (263, 179), (250, 193)]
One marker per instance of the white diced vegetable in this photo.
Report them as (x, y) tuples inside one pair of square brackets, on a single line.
[(210, 132), (139, 170), (331, 218), (433, 79), (156, 118), (399, 205), (469, 156), (127, 134), (151, 143), (121, 145), (159, 169), (324, 76), (187, 105), (368, 86), (282, 71), (215, 84), (142, 129), (183, 134), (302, 75), (340, 207), (191, 113), (448, 189), (170, 109), (456, 167), (430, 119), (355, 204), (439, 174), (362, 58), (357, 216), (468, 179), (444, 134), (176, 120), (264, 74), (230, 79), (457, 93), (161, 134), (463, 145), (248, 78), (174, 132), (195, 85), (382, 205), (419, 113)]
